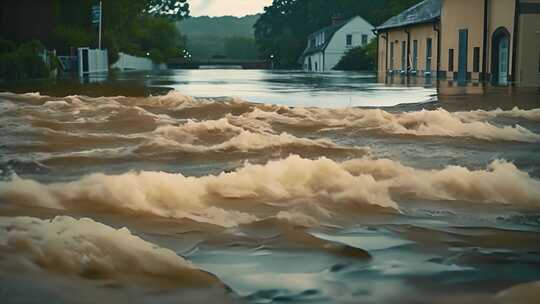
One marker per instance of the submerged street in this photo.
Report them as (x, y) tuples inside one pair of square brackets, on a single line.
[(264, 187)]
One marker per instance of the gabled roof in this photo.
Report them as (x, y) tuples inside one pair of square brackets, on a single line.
[(423, 12), (329, 32)]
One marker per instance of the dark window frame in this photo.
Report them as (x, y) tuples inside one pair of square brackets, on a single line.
[(451, 60), (415, 55), (538, 61), (349, 39), (476, 60), (364, 39)]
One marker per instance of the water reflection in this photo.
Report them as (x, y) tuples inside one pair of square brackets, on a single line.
[(293, 88)]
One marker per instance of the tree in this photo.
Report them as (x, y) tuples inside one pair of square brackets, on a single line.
[(362, 58), (131, 26), (176, 9), (240, 48)]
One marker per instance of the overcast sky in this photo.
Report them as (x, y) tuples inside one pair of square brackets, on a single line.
[(227, 7)]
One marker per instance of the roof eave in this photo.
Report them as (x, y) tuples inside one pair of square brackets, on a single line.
[(432, 20)]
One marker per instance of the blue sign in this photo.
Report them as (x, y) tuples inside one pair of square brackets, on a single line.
[(96, 14)]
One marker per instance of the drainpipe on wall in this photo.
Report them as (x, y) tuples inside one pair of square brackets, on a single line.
[(484, 43), (408, 50), (385, 37), (515, 41)]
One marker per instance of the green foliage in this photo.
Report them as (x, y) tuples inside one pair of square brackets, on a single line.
[(7, 46), (176, 9), (285, 25), (208, 36), (63, 37), (156, 55), (362, 58), (131, 26), (240, 48), (23, 62)]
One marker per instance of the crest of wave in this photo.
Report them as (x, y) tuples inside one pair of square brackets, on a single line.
[(87, 248), (420, 123), (229, 199), (533, 114), (220, 135)]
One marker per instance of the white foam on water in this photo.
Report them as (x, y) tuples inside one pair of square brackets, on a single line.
[(85, 247), (352, 185)]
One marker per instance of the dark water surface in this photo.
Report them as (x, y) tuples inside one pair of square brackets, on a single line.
[(268, 187)]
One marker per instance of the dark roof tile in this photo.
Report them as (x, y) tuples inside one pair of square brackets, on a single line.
[(423, 12)]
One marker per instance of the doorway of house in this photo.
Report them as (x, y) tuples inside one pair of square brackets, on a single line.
[(503, 61), (429, 54), (500, 56)]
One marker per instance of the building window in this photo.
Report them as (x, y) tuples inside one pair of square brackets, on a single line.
[(451, 60), (349, 39), (364, 39), (429, 53), (476, 60)]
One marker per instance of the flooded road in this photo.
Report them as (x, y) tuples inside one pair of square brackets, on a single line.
[(264, 187)]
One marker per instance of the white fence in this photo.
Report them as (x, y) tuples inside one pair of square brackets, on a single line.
[(129, 62), (92, 61)]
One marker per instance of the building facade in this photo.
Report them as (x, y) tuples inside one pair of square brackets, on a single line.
[(326, 47), (465, 40)]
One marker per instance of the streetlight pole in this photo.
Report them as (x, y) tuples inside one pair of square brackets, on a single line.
[(100, 20)]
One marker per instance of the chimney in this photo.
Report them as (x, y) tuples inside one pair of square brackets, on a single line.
[(337, 18)]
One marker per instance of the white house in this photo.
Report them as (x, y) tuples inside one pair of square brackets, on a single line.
[(326, 46)]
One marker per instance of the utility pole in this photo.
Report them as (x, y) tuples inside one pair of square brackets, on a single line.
[(100, 21)]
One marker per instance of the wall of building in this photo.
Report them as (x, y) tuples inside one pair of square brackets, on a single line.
[(128, 62), (98, 61), (421, 33), (528, 64), (455, 16), (338, 45), (316, 62), (500, 14), (469, 14)]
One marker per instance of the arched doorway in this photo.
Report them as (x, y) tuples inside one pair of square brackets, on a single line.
[(500, 56)]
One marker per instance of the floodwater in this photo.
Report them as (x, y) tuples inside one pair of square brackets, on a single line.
[(228, 186)]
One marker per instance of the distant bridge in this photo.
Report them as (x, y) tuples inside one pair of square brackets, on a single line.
[(182, 63)]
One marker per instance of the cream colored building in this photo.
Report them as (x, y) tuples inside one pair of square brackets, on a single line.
[(464, 40)]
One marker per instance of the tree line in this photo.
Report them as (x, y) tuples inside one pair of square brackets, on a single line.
[(283, 28), (137, 27)]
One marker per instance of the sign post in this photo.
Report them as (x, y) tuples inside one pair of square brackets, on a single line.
[(97, 19)]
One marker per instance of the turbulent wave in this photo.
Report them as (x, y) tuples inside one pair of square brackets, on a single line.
[(163, 113), (533, 114), (420, 123), (297, 189), (91, 249), (221, 135)]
